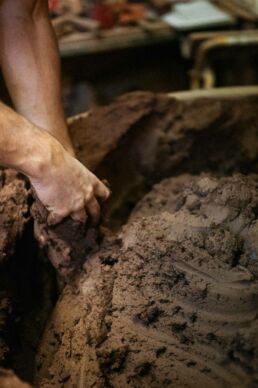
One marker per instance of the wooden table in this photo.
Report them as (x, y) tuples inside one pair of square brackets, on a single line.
[(115, 39)]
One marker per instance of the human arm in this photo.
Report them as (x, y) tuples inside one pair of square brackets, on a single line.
[(61, 182), (30, 64)]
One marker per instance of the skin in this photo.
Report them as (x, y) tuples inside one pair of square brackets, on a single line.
[(35, 139), (9, 380)]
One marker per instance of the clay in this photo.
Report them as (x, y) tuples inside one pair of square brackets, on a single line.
[(27, 284), (171, 301), (102, 128), (175, 129), (142, 138), (67, 244), (14, 211), (14, 215), (173, 137)]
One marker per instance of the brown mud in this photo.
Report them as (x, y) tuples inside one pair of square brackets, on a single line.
[(67, 244), (173, 302), (171, 298), (142, 138), (27, 283), (13, 218)]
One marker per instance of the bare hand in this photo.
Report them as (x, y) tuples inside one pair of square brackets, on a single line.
[(67, 188)]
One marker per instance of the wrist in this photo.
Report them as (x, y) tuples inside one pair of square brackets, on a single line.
[(59, 130), (46, 154), (27, 148)]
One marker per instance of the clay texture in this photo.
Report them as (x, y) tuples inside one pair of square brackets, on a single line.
[(14, 215), (171, 298), (67, 244), (172, 301), (14, 211), (143, 138)]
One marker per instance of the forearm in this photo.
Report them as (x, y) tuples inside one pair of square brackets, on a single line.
[(30, 64), (25, 147)]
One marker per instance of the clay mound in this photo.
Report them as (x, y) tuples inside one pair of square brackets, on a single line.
[(14, 214), (143, 138), (14, 211), (162, 134), (165, 196), (172, 302), (67, 244)]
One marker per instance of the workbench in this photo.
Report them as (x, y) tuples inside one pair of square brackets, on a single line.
[(116, 39)]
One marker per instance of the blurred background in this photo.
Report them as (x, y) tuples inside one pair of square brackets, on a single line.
[(110, 47)]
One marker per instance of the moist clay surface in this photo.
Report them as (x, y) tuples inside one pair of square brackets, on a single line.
[(171, 298), (171, 301), (13, 218), (27, 284), (142, 138)]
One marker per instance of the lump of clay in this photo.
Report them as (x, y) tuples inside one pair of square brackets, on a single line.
[(172, 301), (14, 211), (67, 244), (14, 215), (159, 131), (143, 138)]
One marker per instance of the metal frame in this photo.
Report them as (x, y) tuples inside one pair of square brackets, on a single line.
[(202, 76)]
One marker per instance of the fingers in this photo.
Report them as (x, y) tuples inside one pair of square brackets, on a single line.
[(93, 210), (101, 191), (79, 216), (90, 206), (54, 218)]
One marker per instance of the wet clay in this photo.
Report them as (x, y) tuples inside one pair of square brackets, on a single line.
[(168, 133), (27, 283), (14, 211), (67, 244), (14, 215), (138, 140), (142, 138), (170, 301)]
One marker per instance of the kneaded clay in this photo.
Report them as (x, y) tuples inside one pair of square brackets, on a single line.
[(14, 211), (27, 283), (168, 133), (67, 244), (143, 138), (14, 215), (170, 301)]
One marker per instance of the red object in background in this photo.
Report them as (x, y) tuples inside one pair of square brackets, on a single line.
[(53, 5), (103, 14)]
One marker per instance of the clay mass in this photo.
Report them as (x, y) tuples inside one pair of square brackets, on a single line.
[(166, 294)]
